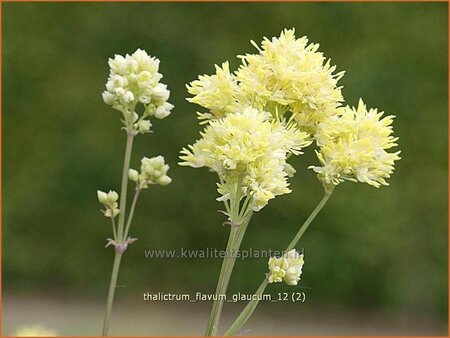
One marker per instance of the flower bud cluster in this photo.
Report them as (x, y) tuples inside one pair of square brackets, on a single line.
[(109, 201), (153, 171), (287, 268), (133, 80)]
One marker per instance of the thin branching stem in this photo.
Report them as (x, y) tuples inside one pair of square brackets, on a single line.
[(238, 227), (119, 235), (251, 305), (130, 216)]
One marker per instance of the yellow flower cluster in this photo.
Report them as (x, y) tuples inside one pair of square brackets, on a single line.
[(354, 147), (288, 77), (251, 148), (287, 268), (287, 74), (215, 92)]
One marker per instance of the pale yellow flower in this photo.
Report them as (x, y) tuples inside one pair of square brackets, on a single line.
[(251, 147), (354, 146), (215, 92), (287, 75)]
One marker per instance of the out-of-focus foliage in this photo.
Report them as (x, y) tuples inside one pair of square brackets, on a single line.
[(384, 250)]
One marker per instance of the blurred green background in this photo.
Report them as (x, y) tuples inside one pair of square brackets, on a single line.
[(372, 254)]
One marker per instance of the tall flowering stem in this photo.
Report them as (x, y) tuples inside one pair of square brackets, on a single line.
[(251, 306), (281, 99), (111, 292), (249, 151), (246, 313), (133, 80), (239, 220), (124, 185), (119, 234)]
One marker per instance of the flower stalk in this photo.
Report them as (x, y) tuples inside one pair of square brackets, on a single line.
[(234, 243), (246, 313), (133, 207), (133, 80), (111, 292), (280, 100), (124, 185), (119, 236), (239, 219)]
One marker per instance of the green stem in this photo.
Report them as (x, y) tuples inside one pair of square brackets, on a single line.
[(216, 309), (130, 217), (112, 288), (309, 220), (114, 228), (123, 190), (234, 242), (247, 311), (251, 306), (120, 239)]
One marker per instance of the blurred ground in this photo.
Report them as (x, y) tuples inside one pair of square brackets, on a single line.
[(83, 317)]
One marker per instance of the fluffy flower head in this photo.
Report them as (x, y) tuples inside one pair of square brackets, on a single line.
[(287, 74), (248, 147), (354, 146), (215, 92)]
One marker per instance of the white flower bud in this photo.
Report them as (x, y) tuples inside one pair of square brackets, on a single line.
[(112, 213), (144, 79), (168, 106), (161, 112), (128, 97), (119, 91), (160, 92), (110, 86), (112, 196), (150, 110), (102, 197), (143, 126), (132, 65), (108, 98), (164, 180), (118, 64), (144, 99), (119, 81), (133, 175), (115, 212)]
